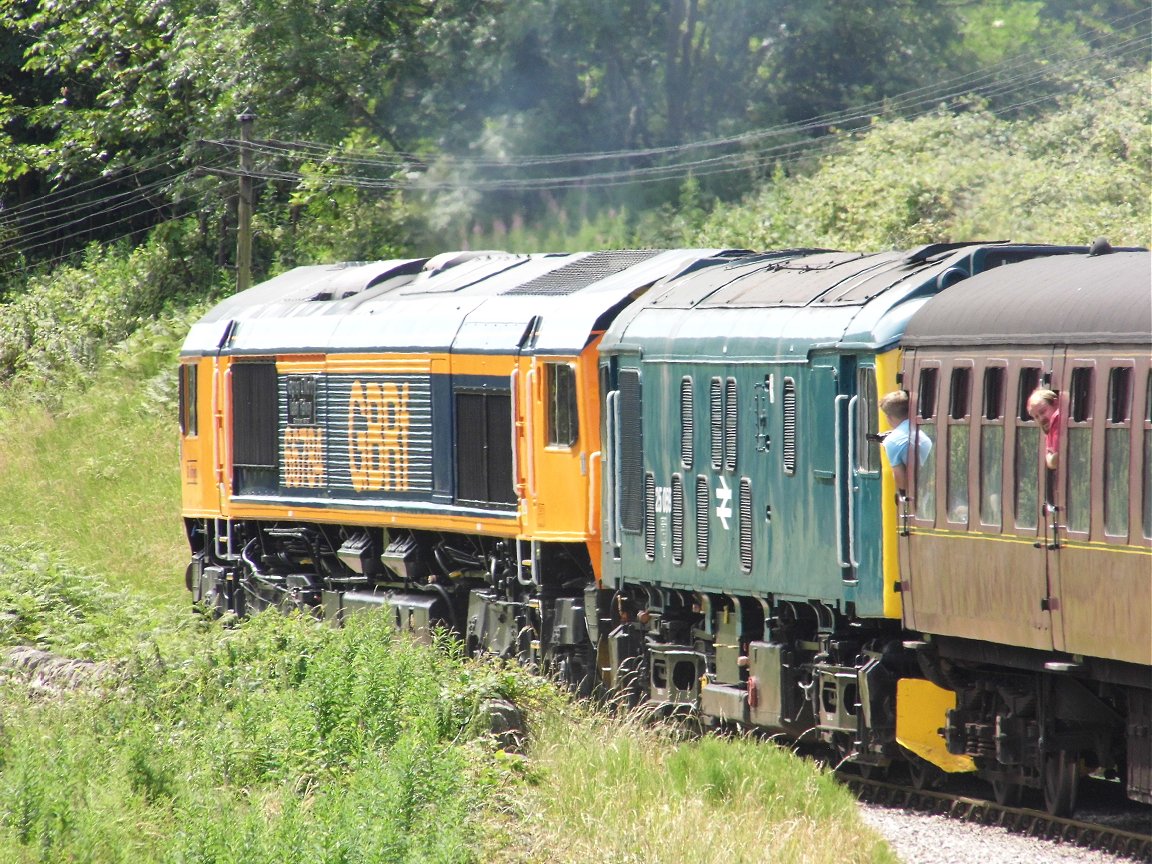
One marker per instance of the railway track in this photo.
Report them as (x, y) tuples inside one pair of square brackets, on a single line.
[(1117, 840)]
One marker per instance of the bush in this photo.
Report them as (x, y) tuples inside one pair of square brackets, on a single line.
[(54, 332)]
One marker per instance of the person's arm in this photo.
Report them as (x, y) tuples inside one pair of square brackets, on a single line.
[(900, 475)]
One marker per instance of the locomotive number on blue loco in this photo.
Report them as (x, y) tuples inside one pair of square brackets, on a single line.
[(378, 428)]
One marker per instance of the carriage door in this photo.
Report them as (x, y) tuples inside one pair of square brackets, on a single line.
[(1098, 608)]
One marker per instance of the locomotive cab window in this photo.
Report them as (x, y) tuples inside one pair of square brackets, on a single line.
[(867, 446), (1079, 450), (188, 396), (1117, 451), (563, 415)]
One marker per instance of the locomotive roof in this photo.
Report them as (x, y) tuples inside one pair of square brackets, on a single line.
[(785, 304), (1071, 300), (484, 302)]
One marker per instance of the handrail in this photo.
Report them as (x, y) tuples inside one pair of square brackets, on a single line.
[(530, 429), (512, 388), (593, 458), (217, 428), (849, 479), (610, 465), (226, 456)]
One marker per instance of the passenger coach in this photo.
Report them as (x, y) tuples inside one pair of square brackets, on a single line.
[(1034, 587)]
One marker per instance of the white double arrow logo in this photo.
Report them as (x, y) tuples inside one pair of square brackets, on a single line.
[(724, 508)]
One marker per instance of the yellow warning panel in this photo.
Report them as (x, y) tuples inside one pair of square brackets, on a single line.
[(921, 712)]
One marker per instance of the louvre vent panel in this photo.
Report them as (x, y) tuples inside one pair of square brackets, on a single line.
[(716, 400), (377, 432), (254, 428), (745, 524), (580, 274), (677, 520), (650, 517), (483, 448), (730, 417), (789, 425), (702, 506), (687, 424), (631, 453)]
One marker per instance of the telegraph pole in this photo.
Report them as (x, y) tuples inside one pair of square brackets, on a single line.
[(244, 207)]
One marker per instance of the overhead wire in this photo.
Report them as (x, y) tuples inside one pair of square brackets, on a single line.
[(70, 210), (987, 81)]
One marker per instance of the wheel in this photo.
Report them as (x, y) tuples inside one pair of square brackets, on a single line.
[(1061, 780), (1007, 793)]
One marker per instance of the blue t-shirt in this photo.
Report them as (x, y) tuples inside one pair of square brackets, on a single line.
[(896, 445)]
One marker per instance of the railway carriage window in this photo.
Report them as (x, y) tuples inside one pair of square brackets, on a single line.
[(959, 437), (926, 425), (867, 447), (1079, 430), (687, 423), (716, 404), (1117, 451), (789, 436), (1146, 474), (188, 419), (730, 416), (563, 415), (992, 446), (1026, 454)]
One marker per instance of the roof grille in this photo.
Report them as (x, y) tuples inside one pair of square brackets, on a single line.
[(580, 274)]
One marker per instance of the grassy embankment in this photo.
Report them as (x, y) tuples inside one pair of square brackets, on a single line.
[(282, 740)]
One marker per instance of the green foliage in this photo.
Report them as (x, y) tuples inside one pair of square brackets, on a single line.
[(1083, 171), (89, 458), (57, 328), (57, 607), (275, 740)]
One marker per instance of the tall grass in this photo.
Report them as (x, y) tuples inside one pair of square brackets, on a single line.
[(611, 789), (90, 469)]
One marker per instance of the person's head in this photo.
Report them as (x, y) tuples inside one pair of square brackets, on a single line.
[(1042, 404), (895, 406)]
